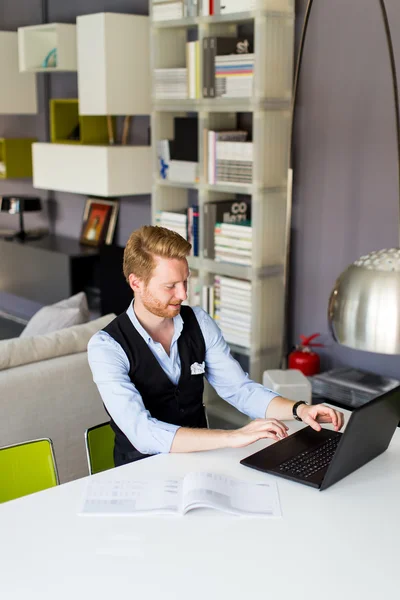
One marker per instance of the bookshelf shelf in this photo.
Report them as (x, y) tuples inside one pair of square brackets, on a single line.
[(178, 184), (241, 17), (94, 170), (67, 126), (37, 41), (16, 157), (113, 64), (174, 23), (266, 114)]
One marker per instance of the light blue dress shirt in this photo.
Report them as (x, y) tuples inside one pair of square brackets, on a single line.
[(110, 369)]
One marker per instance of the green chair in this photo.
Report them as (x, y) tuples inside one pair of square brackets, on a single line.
[(100, 448), (26, 468)]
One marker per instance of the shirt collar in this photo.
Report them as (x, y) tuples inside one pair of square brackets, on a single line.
[(178, 325)]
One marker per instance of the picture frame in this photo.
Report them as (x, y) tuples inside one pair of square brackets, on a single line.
[(99, 221)]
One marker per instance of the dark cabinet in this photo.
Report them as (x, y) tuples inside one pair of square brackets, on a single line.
[(49, 269)]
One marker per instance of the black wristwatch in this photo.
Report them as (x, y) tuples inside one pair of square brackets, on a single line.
[(294, 409)]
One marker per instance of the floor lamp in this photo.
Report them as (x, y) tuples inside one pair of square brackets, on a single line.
[(364, 305)]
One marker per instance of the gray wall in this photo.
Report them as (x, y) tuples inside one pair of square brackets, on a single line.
[(345, 190), (346, 196)]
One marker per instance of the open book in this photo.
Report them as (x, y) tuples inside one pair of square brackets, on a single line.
[(178, 496)]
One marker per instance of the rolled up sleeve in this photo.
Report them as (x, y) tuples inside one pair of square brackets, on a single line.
[(226, 375), (110, 369)]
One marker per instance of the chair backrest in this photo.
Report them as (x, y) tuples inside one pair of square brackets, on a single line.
[(27, 468), (100, 448)]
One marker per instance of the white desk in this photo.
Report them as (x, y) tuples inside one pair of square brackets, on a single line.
[(343, 543)]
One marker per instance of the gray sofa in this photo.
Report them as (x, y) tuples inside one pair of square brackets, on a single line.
[(47, 390)]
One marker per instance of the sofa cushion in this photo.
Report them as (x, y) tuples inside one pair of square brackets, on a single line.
[(72, 311), (21, 351)]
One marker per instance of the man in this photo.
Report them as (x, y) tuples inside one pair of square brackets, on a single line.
[(149, 364)]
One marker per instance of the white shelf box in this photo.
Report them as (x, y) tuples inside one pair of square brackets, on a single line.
[(113, 64), (35, 43), (94, 170), (18, 94)]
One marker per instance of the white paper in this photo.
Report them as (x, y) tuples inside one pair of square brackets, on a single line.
[(125, 497), (230, 495), (178, 496)]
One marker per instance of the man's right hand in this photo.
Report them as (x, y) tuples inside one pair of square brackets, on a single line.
[(257, 430)]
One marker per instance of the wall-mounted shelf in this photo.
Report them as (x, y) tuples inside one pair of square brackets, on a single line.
[(113, 64), (35, 43), (16, 157), (94, 170), (18, 90), (67, 126)]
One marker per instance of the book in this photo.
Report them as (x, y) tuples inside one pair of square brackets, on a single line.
[(185, 146), (236, 211), (177, 496), (218, 46)]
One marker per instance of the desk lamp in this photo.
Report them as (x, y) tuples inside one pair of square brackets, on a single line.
[(364, 305), (18, 205)]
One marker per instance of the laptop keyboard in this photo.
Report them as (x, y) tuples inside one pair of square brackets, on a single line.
[(310, 461)]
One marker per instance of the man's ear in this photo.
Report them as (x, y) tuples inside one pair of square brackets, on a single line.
[(134, 282)]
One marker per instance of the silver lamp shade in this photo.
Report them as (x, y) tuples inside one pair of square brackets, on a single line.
[(364, 306)]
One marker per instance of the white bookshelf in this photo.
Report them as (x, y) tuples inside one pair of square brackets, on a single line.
[(113, 64), (270, 109), (36, 41), (94, 170), (18, 90)]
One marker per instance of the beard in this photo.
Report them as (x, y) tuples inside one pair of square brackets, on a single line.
[(158, 308)]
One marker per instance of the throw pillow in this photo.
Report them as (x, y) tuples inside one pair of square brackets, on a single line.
[(72, 311)]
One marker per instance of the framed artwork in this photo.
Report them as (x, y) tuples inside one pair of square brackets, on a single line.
[(99, 221)]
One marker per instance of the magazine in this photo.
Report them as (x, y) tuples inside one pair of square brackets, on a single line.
[(178, 496)]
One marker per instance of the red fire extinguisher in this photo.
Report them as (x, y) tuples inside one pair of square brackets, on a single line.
[(303, 358)]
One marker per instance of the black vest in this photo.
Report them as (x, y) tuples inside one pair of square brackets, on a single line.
[(180, 404)]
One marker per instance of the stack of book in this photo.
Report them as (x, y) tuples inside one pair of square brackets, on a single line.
[(211, 140), (234, 75), (171, 84), (184, 222), (176, 221), (232, 297), (167, 10), (221, 53), (234, 162), (236, 211), (233, 243), (193, 291)]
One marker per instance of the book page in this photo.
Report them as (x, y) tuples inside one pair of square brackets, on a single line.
[(214, 490), (126, 497)]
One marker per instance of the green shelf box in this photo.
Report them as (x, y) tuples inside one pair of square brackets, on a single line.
[(16, 157), (67, 126)]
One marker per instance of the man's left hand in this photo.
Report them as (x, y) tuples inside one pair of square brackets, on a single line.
[(315, 414)]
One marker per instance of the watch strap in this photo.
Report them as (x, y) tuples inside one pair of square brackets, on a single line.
[(294, 409)]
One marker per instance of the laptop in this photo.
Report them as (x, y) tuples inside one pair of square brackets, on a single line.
[(320, 459)]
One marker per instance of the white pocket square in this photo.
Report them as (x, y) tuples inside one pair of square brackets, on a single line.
[(197, 369)]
